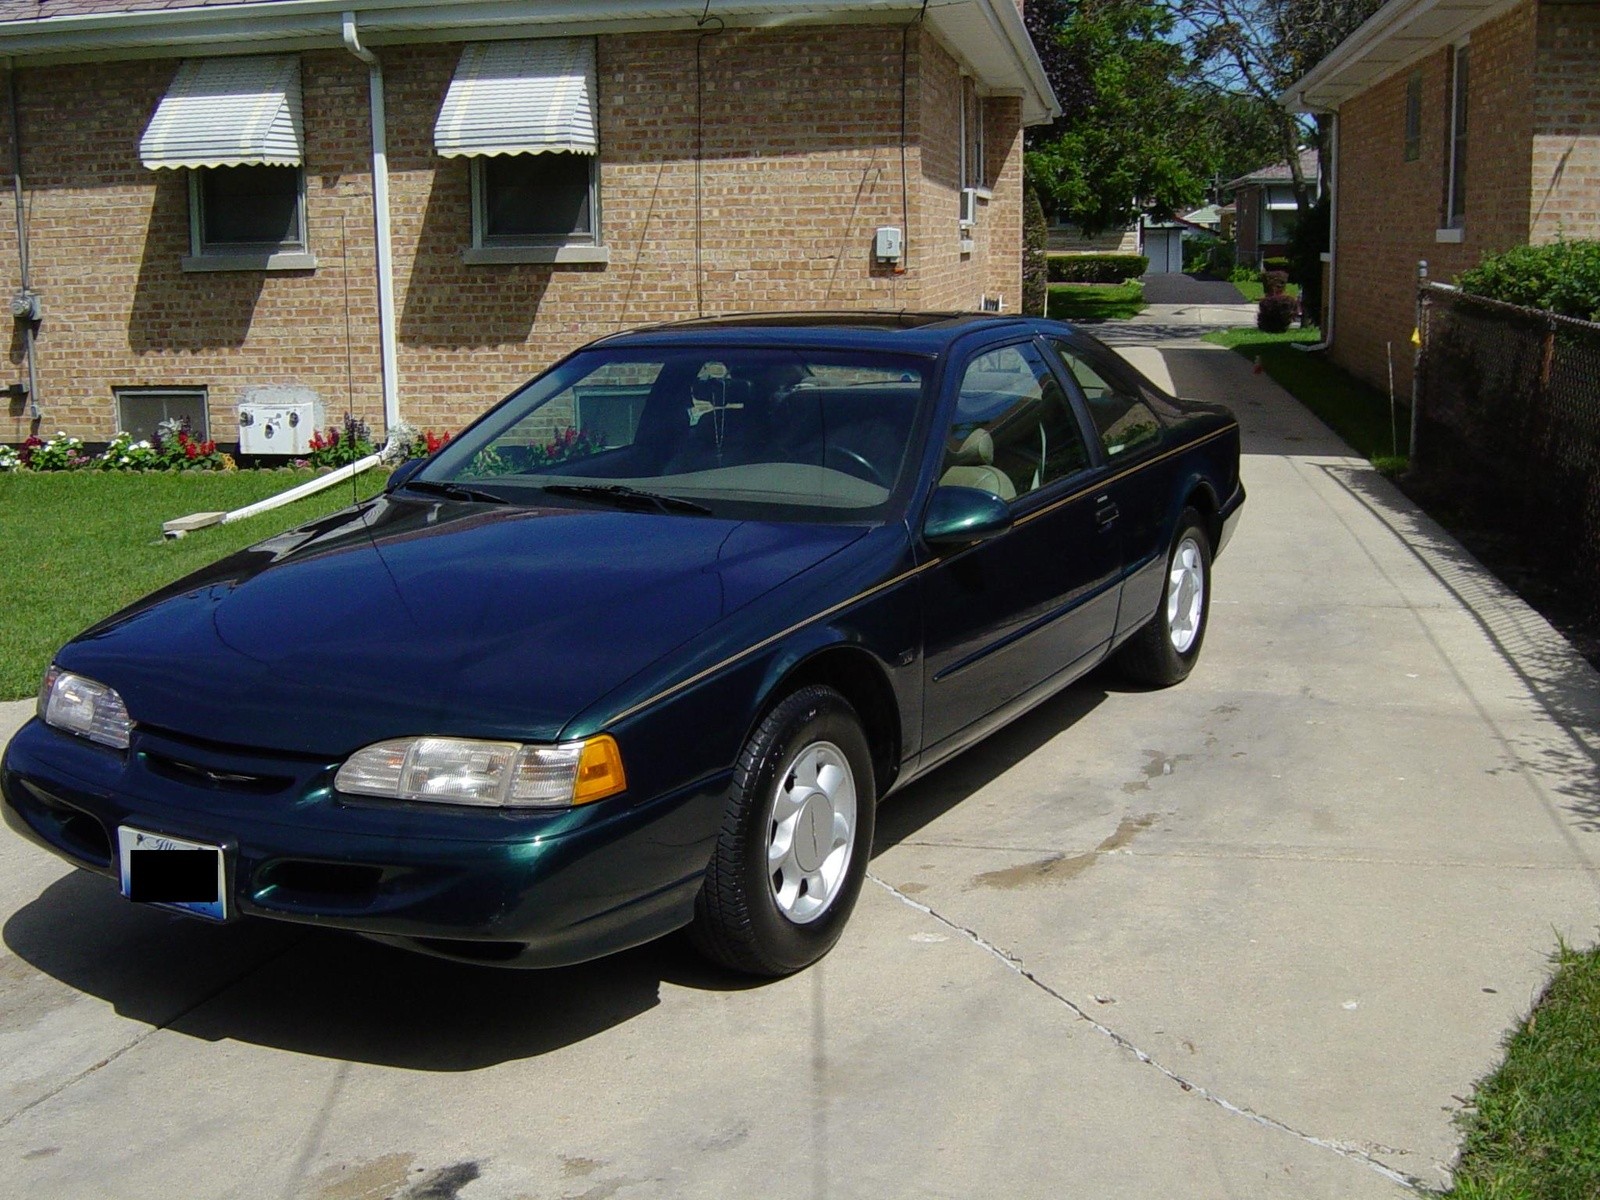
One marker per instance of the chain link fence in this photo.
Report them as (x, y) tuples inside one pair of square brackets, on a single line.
[(1508, 416)]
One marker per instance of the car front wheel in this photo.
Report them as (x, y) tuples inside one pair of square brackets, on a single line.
[(1165, 650), (792, 851)]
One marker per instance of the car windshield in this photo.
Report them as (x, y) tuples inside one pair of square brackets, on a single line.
[(772, 434)]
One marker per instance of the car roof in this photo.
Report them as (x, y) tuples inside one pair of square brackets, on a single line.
[(907, 332)]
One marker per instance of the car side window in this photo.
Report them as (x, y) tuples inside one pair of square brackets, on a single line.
[(1123, 420), (1014, 430)]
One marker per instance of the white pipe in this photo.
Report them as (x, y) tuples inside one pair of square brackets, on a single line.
[(1333, 231), (380, 220), (308, 488)]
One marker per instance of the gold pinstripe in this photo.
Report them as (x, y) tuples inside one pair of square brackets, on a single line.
[(901, 578)]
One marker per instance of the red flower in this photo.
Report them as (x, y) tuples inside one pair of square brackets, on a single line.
[(190, 450)]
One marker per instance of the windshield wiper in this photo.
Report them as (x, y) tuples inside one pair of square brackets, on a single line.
[(453, 491), (627, 497)]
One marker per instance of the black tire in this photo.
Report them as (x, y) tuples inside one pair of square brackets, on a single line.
[(738, 920), (1149, 656)]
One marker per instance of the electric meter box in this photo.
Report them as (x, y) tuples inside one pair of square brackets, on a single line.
[(279, 421)]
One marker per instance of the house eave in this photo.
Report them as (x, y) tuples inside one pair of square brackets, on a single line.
[(989, 33), (1395, 37)]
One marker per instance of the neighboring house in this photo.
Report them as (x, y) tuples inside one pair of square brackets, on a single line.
[(1067, 238), (1208, 218), (1265, 208), (1459, 130), (405, 209)]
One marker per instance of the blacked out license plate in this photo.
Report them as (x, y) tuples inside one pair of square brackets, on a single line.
[(173, 873)]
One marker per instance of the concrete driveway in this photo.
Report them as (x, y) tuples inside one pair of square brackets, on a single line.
[(1253, 936)]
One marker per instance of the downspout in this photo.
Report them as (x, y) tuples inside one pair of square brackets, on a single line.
[(24, 306), (1333, 231), (380, 220)]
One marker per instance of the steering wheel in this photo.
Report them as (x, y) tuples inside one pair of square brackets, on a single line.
[(857, 465)]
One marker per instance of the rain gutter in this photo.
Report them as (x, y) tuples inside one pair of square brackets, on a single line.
[(380, 221)]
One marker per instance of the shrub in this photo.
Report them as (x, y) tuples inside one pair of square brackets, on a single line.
[(1276, 263), (10, 460), (60, 453), (1563, 277), (342, 444), (1244, 274), (176, 450), (1097, 268), (1035, 256), (1275, 312), (1273, 283), (1307, 241), (1221, 259)]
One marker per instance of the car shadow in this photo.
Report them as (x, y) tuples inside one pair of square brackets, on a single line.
[(332, 994), (335, 995)]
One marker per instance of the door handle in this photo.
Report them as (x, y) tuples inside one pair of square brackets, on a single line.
[(1105, 512)]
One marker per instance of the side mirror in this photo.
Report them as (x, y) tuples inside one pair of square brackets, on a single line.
[(960, 516), (403, 472)]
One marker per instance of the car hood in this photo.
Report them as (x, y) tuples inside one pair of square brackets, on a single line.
[(440, 618)]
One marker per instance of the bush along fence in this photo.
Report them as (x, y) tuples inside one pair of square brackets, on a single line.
[(1096, 268), (1508, 411)]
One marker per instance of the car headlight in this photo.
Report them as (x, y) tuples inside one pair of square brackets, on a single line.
[(84, 707), (487, 774)]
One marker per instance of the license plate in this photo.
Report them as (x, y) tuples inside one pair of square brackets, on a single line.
[(173, 872)]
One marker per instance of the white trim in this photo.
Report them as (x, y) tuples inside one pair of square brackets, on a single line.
[(1330, 255), (994, 30), (1398, 36)]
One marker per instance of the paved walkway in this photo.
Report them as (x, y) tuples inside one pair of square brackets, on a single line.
[(1189, 289), (1253, 936)]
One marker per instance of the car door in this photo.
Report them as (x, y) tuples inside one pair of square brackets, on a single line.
[(1009, 614), (1140, 481)]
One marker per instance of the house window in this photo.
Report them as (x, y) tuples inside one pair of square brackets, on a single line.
[(974, 172), (247, 210), (141, 410), (1456, 198), (535, 200), (1413, 116)]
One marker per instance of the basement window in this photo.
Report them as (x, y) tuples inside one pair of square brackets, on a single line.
[(141, 410)]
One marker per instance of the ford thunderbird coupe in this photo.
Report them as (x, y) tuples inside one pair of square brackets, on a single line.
[(645, 646)]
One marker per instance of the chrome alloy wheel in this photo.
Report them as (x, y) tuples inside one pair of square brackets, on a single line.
[(1186, 595), (811, 832)]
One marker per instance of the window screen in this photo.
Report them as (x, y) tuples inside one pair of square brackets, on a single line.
[(535, 199), (141, 410)]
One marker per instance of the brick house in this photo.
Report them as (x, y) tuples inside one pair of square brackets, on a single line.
[(1459, 130), (405, 209), (1264, 207)]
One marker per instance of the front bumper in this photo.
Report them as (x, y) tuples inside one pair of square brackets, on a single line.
[(521, 888)]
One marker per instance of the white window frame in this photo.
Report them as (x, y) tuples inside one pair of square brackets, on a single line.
[(265, 256), (201, 394), (1455, 206), (577, 248), (974, 148)]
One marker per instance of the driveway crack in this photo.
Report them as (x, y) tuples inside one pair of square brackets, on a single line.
[(1014, 964)]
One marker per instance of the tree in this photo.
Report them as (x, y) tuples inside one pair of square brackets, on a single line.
[(1255, 50), (1132, 137), (1035, 255)]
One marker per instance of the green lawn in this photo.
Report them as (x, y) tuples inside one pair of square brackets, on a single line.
[(1095, 301), (1357, 413), (1533, 1132), (80, 545), (1253, 290)]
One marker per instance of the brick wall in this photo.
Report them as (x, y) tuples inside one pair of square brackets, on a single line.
[(1565, 200), (1390, 209), (802, 162)]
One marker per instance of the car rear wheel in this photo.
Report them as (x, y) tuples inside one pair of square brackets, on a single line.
[(792, 850), (1165, 650)]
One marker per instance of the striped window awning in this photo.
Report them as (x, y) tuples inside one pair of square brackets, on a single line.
[(228, 112), (521, 97)]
